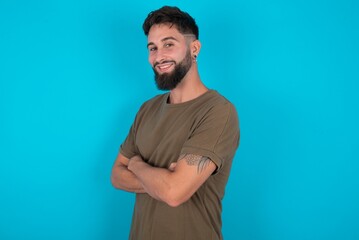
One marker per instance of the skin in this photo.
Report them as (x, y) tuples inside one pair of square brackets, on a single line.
[(161, 48), (175, 185)]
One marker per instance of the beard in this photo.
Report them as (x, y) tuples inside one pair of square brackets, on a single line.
[(169, 81)]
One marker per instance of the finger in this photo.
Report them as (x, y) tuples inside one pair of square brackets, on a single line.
[(172, 166)]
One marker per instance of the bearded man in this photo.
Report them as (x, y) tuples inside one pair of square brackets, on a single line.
[(178, 153)]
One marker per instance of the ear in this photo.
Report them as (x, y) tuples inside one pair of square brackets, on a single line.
[(195, 47)]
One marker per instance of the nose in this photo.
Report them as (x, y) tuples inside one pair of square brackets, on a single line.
[(157, 57)]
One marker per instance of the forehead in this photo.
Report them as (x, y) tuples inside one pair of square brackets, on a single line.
[(159, 32)]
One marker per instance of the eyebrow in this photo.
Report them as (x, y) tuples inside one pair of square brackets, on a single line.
[(163, 40)]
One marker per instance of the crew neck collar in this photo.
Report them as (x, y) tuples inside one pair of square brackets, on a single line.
[(172, 105)]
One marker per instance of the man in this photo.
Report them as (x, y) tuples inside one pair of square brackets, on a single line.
[(178, 153)]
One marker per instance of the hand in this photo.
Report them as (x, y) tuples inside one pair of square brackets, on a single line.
[(134, 160)]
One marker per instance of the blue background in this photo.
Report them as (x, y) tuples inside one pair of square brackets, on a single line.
[(74, 73)]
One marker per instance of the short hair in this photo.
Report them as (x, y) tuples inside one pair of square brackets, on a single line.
[(184, 23)]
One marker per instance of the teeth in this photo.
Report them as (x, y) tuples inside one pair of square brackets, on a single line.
[(165, 66)]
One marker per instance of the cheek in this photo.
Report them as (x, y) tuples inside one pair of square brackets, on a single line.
[(184, 53), (151, 60)]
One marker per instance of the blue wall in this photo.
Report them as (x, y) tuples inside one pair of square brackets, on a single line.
[(74, 73)]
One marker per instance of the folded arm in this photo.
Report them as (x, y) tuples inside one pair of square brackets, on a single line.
[(124, 179), (177, 184)]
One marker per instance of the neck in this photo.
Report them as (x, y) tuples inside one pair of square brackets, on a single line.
[(190, 88)]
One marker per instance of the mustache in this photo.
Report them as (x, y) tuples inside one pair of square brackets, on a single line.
[(166, 61)]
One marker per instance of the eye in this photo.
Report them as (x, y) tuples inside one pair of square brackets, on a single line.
[(168, 45), (152, 49)]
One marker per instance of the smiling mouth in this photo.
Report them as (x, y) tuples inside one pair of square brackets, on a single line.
[(164, 67)]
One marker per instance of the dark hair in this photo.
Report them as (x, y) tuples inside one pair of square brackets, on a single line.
[(174, 16)]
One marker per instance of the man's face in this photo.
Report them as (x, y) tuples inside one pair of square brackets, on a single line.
[(169, 55)]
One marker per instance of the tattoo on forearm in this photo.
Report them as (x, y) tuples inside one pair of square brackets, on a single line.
[(196, 160)]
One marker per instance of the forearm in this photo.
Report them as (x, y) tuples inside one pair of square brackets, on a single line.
[(124, 179), (155, 181)]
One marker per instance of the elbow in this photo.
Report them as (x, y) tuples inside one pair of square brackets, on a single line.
[(174, 199), (174, 203), (116, 182), (117, 178)]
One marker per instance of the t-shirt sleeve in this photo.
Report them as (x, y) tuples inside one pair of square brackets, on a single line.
[(216, 136), (128, 147)]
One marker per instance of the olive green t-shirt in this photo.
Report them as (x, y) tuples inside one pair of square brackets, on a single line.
[(206, 126)]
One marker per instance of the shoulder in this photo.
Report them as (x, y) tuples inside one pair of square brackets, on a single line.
[(222, 113), (218, 104), (214, 111)]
